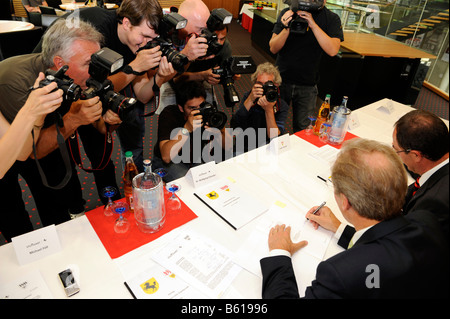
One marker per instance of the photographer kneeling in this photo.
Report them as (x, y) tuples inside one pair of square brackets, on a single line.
[(262, 108), (184, 132)]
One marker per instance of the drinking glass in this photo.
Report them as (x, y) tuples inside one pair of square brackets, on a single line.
[(162, 173), (324, 131), (310, 128), (122, 224), (109, 193), (173, 203)]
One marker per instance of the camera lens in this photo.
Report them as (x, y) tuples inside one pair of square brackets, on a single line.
[(217, 120)]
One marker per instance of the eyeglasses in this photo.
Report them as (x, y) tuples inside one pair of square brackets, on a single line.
[(403, 151)]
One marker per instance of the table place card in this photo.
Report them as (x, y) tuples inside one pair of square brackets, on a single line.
[(37, 244), (203, 174), (388, 107), (280, 144), (353, 122)]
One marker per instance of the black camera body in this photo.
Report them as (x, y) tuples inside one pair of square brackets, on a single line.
[(270, 91), (177, 59), (72, 91), (212, 116), (168, 23), (298, 25), (104, 62), (239, 64)]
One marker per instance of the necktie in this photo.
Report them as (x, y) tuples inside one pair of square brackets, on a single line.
[(416, 186)]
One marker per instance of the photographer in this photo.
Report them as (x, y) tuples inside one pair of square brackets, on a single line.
[(15, 138), (300, 38), (190, 43), (181, 130), (62, 45), (125, 31), (262, 107)]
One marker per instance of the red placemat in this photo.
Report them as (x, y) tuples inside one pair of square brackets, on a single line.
[(119, 244), (314, 139)]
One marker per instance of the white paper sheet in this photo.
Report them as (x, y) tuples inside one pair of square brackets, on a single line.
[(200, 262)]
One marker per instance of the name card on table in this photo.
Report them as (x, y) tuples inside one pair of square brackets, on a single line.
[(387, 107), (280, 144), (37, 244), (203, 174)]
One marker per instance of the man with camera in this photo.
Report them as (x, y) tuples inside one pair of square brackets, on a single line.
[(182, 140), (62, 45), (303, 32), (262, 107), (127, 31), (204, 42)]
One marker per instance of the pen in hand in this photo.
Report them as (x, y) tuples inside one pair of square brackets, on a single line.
[(318, 208)]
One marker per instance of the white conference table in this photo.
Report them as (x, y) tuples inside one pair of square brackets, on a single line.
[(102, 277)]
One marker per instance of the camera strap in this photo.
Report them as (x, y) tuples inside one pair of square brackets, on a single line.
[(75, 152), (65, 156), (157, 93)]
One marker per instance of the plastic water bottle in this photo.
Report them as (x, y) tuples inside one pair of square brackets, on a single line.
[(339, 120)]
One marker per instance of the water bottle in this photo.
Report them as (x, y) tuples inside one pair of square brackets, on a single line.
[(339, 121)]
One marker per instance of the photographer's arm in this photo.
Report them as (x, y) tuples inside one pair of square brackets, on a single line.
[(82, 112), (271, 124), (329, 45), (278, 41)]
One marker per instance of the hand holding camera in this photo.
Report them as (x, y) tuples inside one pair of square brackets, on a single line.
[(147, 59)]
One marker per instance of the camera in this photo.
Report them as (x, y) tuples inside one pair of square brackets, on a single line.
[(212, 116), (298, 25), (217, 18), (169, 22), (72, 91), (270, 91), (243, 64), (103, 63)]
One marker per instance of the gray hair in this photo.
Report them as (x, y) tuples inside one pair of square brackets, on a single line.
[(58, 39), (268, 68)]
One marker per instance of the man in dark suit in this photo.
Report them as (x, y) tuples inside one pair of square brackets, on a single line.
[(421, 140), (390, 256)]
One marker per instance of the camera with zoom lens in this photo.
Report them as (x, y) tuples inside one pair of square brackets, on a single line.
[(168, 23), (72, 91), (270, 91), (298, 25), (242, 64), (104, 62), (212, 116), (217, 18)]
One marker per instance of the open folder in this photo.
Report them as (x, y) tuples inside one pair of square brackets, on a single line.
[(230, 202)]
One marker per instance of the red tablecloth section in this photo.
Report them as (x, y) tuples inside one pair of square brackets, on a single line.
[(119, 244), (247, 22), (314, 139)]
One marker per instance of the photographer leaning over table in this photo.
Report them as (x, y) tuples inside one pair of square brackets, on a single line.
[(62, 45), (126, 30), (299, 39), (15, 138)]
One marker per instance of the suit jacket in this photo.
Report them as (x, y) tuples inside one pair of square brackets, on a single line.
[(432, 196), (402, 258)]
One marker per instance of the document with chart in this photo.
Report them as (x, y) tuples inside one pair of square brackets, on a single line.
[(232, 203)]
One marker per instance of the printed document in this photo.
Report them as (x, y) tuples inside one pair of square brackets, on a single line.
[(232, 203), (200, 262)]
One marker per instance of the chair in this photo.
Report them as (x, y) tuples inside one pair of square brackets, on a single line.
[(19, 9), (47, 10), (35, 18)]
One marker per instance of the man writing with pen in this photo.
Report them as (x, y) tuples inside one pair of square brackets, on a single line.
[(389, 256)]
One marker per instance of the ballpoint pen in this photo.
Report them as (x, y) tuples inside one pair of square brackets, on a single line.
[(318, 208)]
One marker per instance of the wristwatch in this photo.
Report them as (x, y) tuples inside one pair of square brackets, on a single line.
[(129, 70), (184, 131)]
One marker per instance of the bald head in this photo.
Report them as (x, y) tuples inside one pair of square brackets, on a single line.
[(197, 13)]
